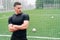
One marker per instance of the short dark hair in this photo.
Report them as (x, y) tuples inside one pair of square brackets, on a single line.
[(17, 3)]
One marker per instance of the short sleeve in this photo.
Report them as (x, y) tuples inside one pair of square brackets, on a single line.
[(10, 20), (26, 17)]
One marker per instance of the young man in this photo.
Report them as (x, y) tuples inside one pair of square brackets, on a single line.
[(18, 23)]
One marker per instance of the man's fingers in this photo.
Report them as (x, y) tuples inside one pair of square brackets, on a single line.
[(15, 26), (10, 25), (13, 29)]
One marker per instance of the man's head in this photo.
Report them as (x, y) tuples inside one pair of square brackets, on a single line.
[(17, 7)]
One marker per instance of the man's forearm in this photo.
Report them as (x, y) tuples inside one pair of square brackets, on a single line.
[(21, 27)]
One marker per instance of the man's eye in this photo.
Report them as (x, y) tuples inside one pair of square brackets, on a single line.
[(18, 8)]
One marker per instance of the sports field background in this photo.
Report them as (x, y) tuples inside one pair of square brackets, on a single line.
[(46, 22)]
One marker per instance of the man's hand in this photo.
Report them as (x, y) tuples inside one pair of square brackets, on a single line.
[(11, 28), (16, 26)]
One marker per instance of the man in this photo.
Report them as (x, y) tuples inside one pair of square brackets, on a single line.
[(18, 23)]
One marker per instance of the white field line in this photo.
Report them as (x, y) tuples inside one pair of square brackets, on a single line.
[(36, 37)]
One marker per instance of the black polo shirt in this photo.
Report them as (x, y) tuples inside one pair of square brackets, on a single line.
[(18, 20)]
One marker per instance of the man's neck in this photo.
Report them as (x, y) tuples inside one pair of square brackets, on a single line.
[(17, 13)]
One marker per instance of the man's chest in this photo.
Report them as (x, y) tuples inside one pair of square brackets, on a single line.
[(17, 19)]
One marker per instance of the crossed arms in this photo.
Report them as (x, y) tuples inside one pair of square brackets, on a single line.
[(13, 28)]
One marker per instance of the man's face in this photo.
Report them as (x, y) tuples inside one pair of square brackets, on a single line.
[(18, 9)]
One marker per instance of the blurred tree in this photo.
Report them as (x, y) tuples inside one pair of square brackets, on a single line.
[(49, 1), (39, 4)]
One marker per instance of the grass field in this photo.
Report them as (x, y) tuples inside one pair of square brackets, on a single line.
[(46, 22)]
